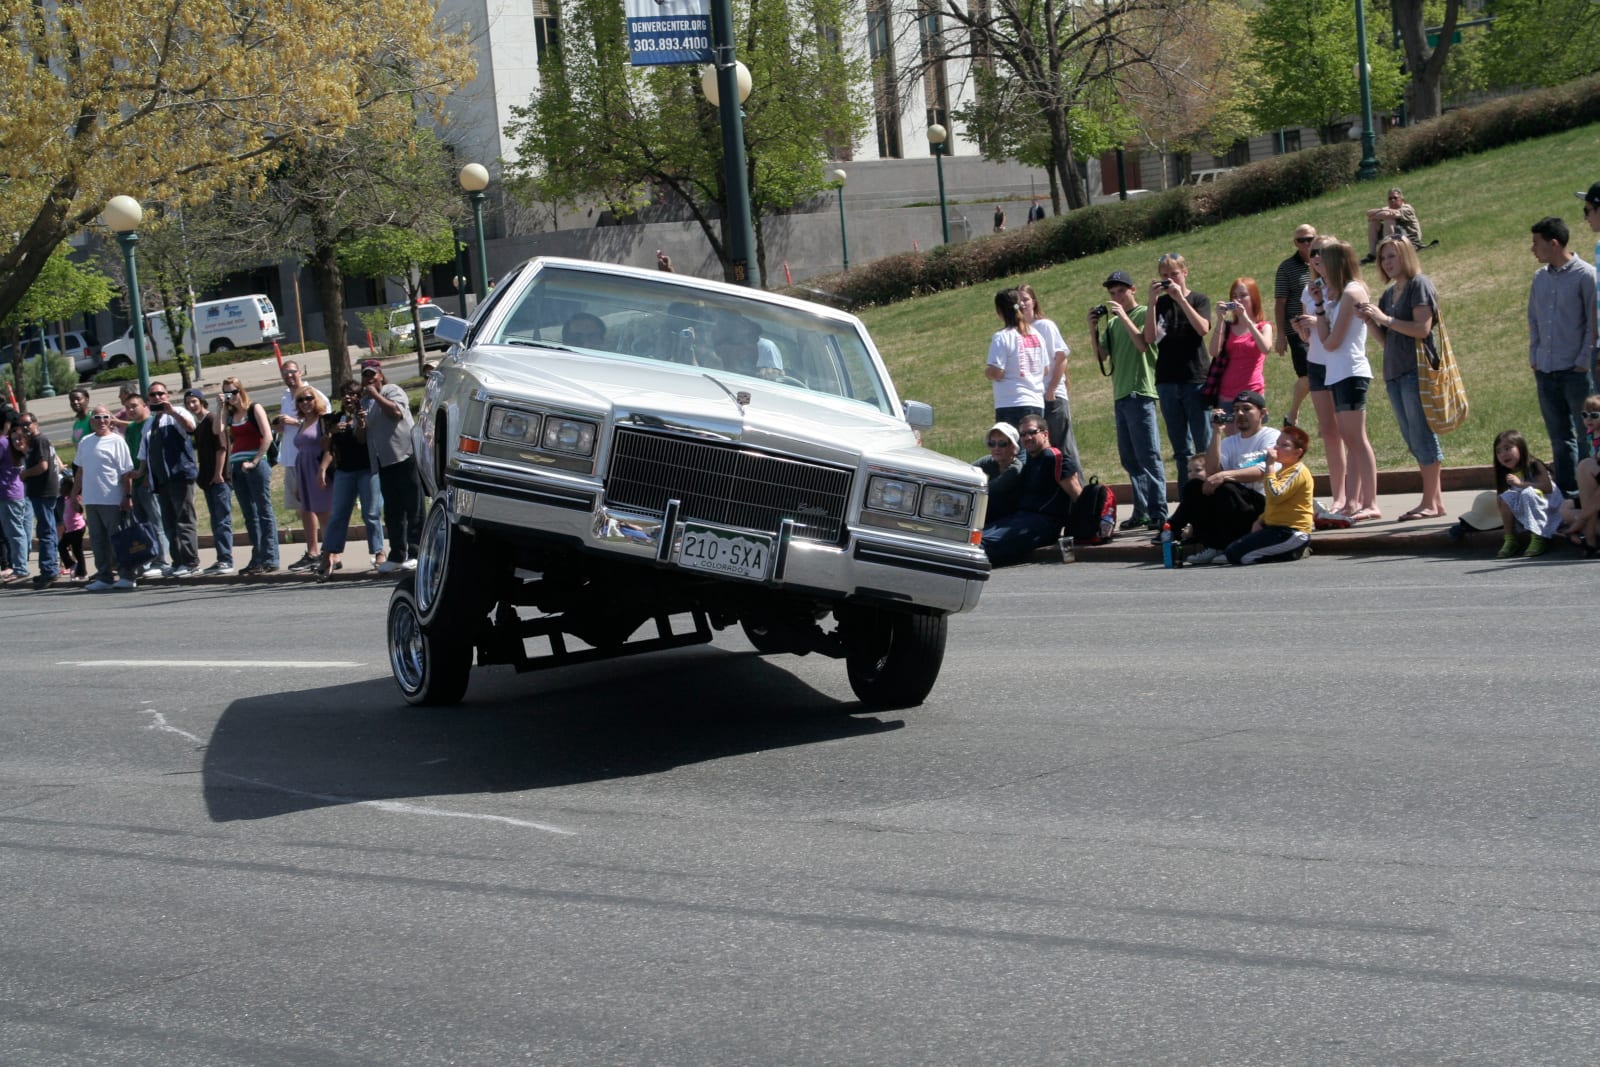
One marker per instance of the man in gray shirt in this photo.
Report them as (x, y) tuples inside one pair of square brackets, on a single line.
[(1561, 339), (385, 422)]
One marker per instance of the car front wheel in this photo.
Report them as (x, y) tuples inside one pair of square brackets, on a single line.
[(893, 657), (430, 663)]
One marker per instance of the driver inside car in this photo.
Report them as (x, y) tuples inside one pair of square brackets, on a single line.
[(742, 349)]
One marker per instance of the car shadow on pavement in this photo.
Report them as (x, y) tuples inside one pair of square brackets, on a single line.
[(286, 752)]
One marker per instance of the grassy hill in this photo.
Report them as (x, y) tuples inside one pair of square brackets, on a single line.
[(1480, 208)]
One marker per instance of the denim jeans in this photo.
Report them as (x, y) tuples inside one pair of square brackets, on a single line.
[(260, 521), (1139, 447), (16, 523), (219, 502), (147, 508), (44, 525), (1561, 396), (1405, 397), (348, 487), (1188, 425)]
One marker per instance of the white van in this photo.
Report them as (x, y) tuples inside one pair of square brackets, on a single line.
[(219, 325)]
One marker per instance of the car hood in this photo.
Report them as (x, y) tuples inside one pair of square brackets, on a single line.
[(698, 400)]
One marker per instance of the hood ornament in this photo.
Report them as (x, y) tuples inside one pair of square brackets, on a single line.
[(740, 398)]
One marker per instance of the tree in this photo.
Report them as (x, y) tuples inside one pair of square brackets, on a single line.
[(1306, 56), (599, 129), (401, 252), (1543, 42), (174, 101), (61, 290), (1424, 100), (1061, 68)]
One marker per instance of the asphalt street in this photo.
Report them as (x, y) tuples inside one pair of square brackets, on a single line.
[(1339, 811)]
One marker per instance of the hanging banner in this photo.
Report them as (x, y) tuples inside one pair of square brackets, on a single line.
[(664, 32)]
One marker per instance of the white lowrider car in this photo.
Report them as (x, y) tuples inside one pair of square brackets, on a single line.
[(623, 461)]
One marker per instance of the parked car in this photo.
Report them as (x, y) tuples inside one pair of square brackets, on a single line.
[(618, 449), (85, 357), (400, 327)]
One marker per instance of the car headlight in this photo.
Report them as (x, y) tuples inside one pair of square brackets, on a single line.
[(569, 435), (519, 426), (946, 505), (898, 495)]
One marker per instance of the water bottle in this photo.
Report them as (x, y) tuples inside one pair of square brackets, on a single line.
[(1167, 547)]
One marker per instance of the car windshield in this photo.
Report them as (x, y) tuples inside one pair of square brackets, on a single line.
[(640, 318), (428, 313)]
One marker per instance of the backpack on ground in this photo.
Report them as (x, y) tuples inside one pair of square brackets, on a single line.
[(1093, 520)]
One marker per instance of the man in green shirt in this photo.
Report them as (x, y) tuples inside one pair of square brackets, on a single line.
[(1117, 331)]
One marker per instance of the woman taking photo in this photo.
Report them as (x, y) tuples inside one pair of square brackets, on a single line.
[(347, 466), (1402, 318), (1239, 345), (249, 434)]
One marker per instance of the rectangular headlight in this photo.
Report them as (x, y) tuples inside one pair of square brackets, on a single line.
[(897, 495), (946, 505), (521, 427), (569, 435)]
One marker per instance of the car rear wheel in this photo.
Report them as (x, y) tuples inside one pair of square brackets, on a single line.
[(430, 664), (893, 657)]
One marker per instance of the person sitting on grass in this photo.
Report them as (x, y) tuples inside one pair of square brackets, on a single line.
[(1283, 532), (1525, 490), (1050, 484)]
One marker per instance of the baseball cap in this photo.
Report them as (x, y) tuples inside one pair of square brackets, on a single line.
[(1592, 196), (198, 394), (1250, 396), (370, 366), (1006, 428), (1118, 277)]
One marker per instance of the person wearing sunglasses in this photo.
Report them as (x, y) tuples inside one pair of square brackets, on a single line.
[(172, 468), (314, 486), (102, 486), (249, 435), (41, 479), (1287, 286), (1002, 465), (1050, 484), (146, 505)]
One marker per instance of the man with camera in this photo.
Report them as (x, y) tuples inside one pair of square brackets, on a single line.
[(1117, 330), (1223, 499), (170, 469), (1177, 326)]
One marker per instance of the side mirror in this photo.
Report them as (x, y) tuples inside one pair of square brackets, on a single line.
[(919, 415), (452, 329)]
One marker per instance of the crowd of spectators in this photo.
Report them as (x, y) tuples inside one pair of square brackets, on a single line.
[(140, 465)]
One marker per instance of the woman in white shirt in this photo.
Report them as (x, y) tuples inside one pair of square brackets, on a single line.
[(1057, 405), (1342, 331), (1016, 363)]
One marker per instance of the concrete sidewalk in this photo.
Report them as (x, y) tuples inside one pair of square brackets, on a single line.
[(1398, 492)]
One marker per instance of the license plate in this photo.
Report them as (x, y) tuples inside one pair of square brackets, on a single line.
[(737, 555)]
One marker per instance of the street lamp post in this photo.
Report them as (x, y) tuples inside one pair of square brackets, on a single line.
[(46, 387), (1368, 169), (474, 178), (844, 241), (123, 214), (937, 136), (727, 84), (461, 275)]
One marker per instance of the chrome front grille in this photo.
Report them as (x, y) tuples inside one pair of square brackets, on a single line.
[(727, 485)]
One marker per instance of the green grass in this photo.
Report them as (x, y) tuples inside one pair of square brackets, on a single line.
[(1480, 208)]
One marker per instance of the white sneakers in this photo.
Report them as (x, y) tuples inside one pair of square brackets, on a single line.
[(389, 566)]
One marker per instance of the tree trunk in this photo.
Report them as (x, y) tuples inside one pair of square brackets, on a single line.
[(1055, 190), (1061, 156), (330, 290), (1423, 95)]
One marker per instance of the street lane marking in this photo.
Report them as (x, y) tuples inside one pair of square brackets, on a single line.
[(303, 664), (398, 806), (161, 723)]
